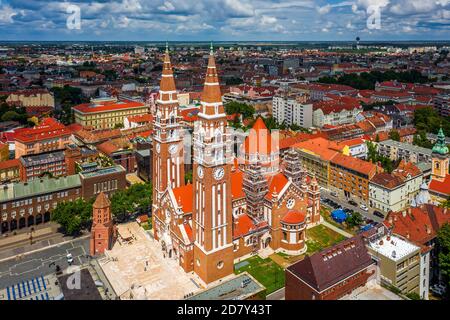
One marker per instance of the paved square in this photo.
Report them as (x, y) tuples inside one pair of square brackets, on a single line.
[(141, 265)]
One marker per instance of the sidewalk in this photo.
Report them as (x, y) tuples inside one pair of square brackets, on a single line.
[(336, 229)]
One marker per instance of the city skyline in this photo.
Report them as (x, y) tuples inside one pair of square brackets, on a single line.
[(256, 20)]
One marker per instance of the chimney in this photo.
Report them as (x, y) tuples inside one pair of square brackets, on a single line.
[(404, 213), (407, 235), (428, 229), (390, 219)]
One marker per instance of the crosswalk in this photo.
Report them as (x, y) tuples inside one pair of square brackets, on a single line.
[(34, 289)]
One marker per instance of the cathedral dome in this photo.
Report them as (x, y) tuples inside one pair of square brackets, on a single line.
[(293, 217)]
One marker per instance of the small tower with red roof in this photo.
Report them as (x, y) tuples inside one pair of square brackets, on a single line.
[(103, 230)]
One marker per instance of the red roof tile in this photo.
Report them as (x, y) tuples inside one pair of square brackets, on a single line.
[(294, 217), (184, 197)]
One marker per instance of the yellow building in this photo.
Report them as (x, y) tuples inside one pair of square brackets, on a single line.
[(108, 113)]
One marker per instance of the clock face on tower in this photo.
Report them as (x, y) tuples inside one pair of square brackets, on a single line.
[(219, 173), (200, 172), (173, 148)]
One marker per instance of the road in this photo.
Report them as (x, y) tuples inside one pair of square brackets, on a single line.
[(42, 262), (343, 202)]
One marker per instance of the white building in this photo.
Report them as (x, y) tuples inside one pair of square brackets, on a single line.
[(292, 109), (336, 112), (402, 264), (396, 191)]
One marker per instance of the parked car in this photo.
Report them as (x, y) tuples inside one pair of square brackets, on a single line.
[(334, 194), (69, 258), (353, 203), (378, 214), (363, 207)]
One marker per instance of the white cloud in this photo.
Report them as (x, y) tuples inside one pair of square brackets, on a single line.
[(6, 14)]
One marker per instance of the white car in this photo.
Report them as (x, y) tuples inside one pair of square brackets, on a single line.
[(69, 258), (363, 207)]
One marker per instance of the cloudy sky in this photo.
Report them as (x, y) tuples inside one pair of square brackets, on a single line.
[(224, 20)]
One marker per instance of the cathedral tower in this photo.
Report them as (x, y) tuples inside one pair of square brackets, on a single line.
[(102, 231), (212, 211), (255, 189), (168, 153), (293, 168)]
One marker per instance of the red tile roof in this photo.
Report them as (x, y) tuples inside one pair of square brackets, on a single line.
[(419, 224), (338, 104), (48, 129), (184, 197), (242, 226), (276, 184), (442, 187), (9, 164), (355, 164), (294, 217), (94, 108)]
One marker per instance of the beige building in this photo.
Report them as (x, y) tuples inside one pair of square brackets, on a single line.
[(108, 113), (399, 262), (32, 98)]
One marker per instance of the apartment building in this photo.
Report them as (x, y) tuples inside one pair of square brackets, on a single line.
[(395, 191), (442, 104), (9, 171), (108, 113), (420, 225), (396, 150), (399, 262), (315, 155), (352, 176), (36, 165), (50, 135), (336, 111), (293, 109)]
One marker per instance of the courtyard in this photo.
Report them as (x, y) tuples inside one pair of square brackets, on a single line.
[(137, 269), (321, 237), (266, 271)]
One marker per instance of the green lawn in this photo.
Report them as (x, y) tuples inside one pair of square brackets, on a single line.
[(266, 271), (321, 237), (147, 226)]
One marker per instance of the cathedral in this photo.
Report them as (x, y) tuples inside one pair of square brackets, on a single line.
[(235, 206)]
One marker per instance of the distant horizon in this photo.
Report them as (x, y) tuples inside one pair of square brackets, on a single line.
[(237, 41)]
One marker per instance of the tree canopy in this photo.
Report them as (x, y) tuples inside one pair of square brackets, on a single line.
[(428, 120), (234, 107), (73, 216), (367, 80), (444, 255)]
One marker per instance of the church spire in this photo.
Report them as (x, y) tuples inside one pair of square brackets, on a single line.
[(167, 84), (211, 96), (441, 146)]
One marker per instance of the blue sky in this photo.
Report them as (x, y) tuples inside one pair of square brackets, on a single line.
[(224, 20)]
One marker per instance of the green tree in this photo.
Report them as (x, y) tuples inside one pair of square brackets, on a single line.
[(354, 220), (394, 135), (188, 176), (443, 237), (73, 216), (234, 107)]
